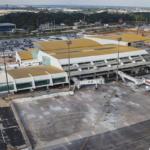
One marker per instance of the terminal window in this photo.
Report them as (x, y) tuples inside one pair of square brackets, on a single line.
[(24, 85), (99, 61), (59, 80), (4, 87), (42, 82), (6, 28), (124, 58), (84, 63)]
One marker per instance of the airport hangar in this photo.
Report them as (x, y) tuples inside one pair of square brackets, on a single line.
[(47, 64)]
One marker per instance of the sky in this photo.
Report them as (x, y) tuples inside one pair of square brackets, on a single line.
[(141, 3)]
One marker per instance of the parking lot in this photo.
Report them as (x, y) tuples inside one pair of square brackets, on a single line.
[(11, 46)]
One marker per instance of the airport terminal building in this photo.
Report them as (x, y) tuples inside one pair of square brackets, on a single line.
[(91, 57)]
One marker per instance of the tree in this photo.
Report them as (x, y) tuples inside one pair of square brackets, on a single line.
[(29, 20), (16, 32)]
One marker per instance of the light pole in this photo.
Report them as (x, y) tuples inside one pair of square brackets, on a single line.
[(119, 39), (69, 43), (6, 73)]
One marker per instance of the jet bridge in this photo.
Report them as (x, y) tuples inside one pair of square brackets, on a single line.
[(124, 76), (78, 83), (137, 81)]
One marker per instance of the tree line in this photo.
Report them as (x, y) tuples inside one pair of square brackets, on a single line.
[(31, 21)]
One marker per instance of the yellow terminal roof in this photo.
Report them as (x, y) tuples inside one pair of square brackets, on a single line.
[(147, 42), (34, 71), (57, 45), (25, 55), (30, 49), (91, 51), (71, 50), (125, 37)]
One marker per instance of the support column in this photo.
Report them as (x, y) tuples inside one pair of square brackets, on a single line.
[(131, 72), (108, 75), (33, 83), (94, 76), (63, 85), (15, 87), (142, 69), (50, 78), (79, 77)]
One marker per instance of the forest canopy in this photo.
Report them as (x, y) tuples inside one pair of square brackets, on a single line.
[(31, 21)]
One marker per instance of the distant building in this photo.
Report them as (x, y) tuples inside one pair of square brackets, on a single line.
[(122, 11), (121, 20), (62, 25), (21, 6), (71, 10), (97, 23), (77, 23), (9, 11), (100, 11), (18, 30), (7, 26), (44, 26), (80, 23), (6, 6), (74, 27)]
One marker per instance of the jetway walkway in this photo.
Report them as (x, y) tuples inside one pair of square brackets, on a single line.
[(101, 80), (137, 81), (78, 83)]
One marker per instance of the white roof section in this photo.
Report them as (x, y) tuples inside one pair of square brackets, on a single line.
[(102, 57), (6, 24), (106, 41), (3, 78)]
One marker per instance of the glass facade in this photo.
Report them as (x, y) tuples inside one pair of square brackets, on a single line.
[(111, 59), (84, 63), (46, 61), (124, 58), (59, 80), (6, 28), (4, 87), (67, 65), (42, 82), (34, 54), (99, 61), (24, 85)]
